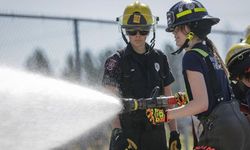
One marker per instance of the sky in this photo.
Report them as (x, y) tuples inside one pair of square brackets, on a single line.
[(19, 38), (233, 13)]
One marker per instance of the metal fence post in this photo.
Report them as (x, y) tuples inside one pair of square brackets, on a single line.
[(77, 51)]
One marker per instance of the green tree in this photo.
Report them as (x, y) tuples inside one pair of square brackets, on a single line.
[(38, 62), (69, 70), (102, 58), (89, 69)]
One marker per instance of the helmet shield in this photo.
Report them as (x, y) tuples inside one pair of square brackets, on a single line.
[(137, 18), (137, 21), (187, 11)]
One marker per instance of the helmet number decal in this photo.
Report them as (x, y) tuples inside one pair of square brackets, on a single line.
[(136, 18)]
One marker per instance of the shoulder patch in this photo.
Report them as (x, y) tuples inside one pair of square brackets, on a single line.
[(111, 64)]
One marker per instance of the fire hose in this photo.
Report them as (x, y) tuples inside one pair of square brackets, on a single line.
[(131, 104)]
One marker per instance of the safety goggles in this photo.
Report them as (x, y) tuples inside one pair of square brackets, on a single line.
[(134, 32)]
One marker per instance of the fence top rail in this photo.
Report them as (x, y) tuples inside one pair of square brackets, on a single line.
[(228, 32), (56, 18)]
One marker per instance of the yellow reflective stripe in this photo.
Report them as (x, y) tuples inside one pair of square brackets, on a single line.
[(187, 12), (200, 10), (202, 52), (184, 13), (136, 104)]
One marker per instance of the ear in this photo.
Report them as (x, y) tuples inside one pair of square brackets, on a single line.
[(186, 29)]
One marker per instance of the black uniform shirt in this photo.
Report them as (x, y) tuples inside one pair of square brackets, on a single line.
[(195, 62), (144, 71)]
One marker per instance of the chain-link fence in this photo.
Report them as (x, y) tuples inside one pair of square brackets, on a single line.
[(59, 37)]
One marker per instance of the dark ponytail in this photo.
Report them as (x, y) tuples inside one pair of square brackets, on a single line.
[(214, 50)]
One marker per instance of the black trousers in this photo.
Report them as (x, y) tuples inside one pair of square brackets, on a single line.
[(154, 139), (226, 128)]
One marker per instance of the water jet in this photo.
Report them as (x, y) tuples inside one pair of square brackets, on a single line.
[(40, 113)]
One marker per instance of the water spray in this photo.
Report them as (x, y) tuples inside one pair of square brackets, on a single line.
[(40, 113)]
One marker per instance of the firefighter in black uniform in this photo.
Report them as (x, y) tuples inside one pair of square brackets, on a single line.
[(134, 72), (238, 64), (210, 96)]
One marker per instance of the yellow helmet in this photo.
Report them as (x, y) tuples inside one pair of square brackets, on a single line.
[(238, 59), (235, 51), (137, 14)]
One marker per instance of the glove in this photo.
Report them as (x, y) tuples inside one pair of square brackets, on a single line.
[(204, 148), (156, 115), (174, 141), (120, 142), (131, 145), (117, 141), (182, 98)]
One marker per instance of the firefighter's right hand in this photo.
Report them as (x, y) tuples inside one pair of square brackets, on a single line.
[(203, 147), (156, 115), (120, 142), (174, 141), (131, 145)]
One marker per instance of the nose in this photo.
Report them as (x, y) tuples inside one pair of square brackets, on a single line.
[(138, 33)]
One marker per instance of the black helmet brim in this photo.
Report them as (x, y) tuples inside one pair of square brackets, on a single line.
[(211, 20)]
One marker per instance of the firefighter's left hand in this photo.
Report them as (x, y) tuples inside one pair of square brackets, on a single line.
[(156, 115), (182, 98), (174, 141)]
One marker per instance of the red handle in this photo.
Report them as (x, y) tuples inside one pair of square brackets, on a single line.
[(171, 100)]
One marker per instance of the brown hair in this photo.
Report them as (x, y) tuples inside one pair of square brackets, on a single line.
[(214, 50)]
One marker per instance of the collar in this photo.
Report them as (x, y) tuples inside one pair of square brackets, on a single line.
[(202, 46), (129, 49)]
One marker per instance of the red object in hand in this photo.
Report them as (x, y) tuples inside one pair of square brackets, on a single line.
[(180, 99)]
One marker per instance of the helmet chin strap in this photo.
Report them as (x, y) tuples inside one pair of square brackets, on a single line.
[(124, 37), (190, 36), (152, 41)]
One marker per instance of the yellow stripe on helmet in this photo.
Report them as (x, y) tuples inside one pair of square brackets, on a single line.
[(187, 12), (200, 10), (184, 13)]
